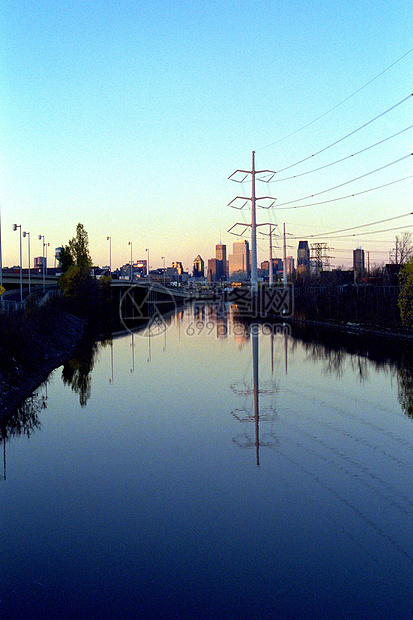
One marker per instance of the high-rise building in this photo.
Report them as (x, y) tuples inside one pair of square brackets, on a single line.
[(290, 265), (277, 266), (303, 254), (239, 260), (199, 267), (358, 263), (303, 258), (178, 265), (221, 256), (212, 270)]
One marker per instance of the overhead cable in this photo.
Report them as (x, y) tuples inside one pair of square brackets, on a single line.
[(334, 232), (337, 104), (346, 136), (369, 232), (338, 161), (364, 191), (362, 176)]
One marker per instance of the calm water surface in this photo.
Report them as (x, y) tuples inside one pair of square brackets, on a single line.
[(149, 487)]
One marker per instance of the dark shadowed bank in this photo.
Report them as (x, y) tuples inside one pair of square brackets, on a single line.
[(37, 340), (32, 344)]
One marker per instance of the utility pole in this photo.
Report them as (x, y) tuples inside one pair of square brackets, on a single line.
[(239, 176), (284, 259), (270, 266)]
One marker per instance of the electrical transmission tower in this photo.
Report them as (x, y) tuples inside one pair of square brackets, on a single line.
[(239, 176), (319, 256)]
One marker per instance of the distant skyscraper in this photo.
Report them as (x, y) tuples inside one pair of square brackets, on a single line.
[(358, 263), (221, 256), (178, 265), (277, 266), (198, 270), (213, 265), (239, 260), (303, 254)]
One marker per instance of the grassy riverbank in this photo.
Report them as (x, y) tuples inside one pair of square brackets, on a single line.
[(32, 343)]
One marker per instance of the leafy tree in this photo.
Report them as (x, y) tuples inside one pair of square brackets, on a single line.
[(65, 258), (79, 287), (405, 301), (76, 252), (79, 248)]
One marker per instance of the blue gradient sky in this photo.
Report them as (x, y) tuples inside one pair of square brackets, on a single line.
[(129, 117)]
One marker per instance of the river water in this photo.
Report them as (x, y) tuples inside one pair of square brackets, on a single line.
[(212, 470)]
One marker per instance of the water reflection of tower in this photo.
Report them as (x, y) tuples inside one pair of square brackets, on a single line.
[(249, 413), (218, 314), (199, 312), (222, 321)]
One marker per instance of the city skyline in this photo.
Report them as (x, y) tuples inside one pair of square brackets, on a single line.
[(130, 119), (293, 253)]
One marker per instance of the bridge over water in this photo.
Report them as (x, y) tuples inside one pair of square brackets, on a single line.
[(137, 298)]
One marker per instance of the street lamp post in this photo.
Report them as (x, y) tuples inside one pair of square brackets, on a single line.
[(27, 234), (44, 274), (147, 250), (110, 254), (131, 272), (45, 265), (15, 227), (164, 270)]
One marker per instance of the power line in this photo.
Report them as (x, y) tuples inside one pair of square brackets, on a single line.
[(346, 136), (362, 176), (365, 191), (388, 219), (338, 104), (370, 232), (338, 161)]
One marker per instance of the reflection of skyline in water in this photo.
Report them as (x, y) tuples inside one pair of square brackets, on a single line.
[(146, 488)]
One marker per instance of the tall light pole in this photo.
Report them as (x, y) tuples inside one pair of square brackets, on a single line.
[(147, 250), (15, 227), (110, 254), (45, 265), (130, 243), (27, 234), (44, 275), (164, 270)]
